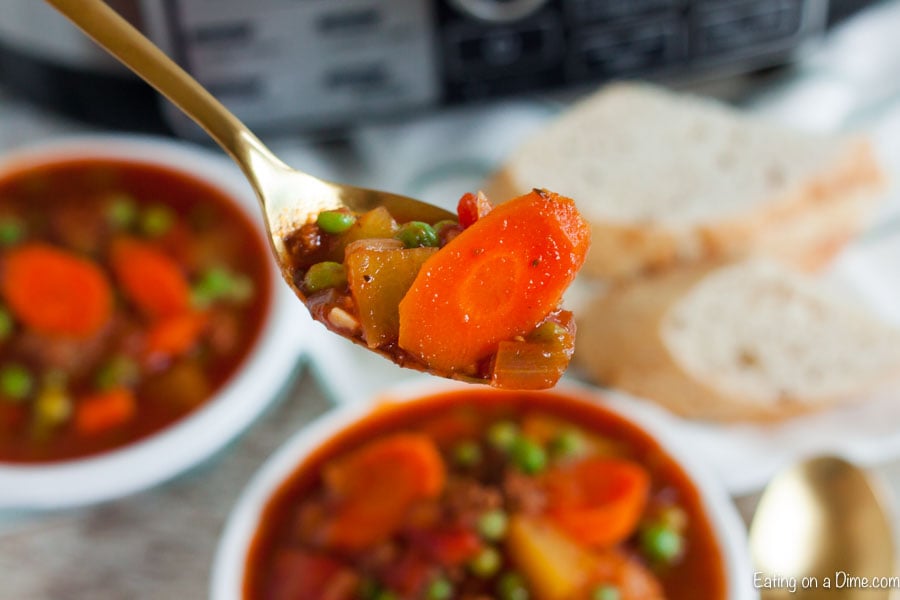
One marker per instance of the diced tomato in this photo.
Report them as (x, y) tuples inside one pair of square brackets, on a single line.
[(472, 207), (303, 575), (453, 427), (409, 575), (12, 416), (450, 546)]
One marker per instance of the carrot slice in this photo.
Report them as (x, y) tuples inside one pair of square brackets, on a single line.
[(497, 279), (598, 501), (56, 293), (103, 411), (174, 336), (377, 484), (149, 278)]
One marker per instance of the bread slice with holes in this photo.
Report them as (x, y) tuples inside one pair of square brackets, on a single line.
[(668, 179), (751, 340)]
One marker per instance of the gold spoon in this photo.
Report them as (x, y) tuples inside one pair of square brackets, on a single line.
[(822, 522), (289, 198)]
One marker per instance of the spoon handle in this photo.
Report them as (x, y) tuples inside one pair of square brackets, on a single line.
[(142, 56)]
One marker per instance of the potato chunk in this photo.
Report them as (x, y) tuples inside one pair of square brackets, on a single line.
[(555, 567), (378, 279)]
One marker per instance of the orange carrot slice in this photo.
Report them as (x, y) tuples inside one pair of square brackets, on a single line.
[(497, 279), (149, 278), (377, 484), (56, 293), (174, 336), (103, 411), (598, 501)]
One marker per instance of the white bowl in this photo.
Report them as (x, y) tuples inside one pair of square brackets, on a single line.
[(229, 567), (229, 412)]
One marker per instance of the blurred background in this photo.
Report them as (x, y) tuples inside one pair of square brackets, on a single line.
[(328, 83), (316, 65), (423, 97)]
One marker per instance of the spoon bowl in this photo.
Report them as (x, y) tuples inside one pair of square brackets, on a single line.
[(821, 523)]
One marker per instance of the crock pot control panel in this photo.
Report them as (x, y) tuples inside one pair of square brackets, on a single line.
[(321, 63)]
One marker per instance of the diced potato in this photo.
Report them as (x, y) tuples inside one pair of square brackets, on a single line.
[(555, 567), (379, 278), (377, 223)]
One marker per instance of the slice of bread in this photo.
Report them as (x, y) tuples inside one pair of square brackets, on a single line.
[(666, 179), (748, 340)]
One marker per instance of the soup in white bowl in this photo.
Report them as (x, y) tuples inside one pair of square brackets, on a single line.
[(142, 321), (464, 492)]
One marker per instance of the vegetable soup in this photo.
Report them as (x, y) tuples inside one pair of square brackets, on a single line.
[(474, 495), (473, 298), (129, 294)]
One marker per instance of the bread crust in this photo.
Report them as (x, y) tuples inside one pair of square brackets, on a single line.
[(621, 344), (804, 227)]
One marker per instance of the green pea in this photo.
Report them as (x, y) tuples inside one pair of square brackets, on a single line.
[(568, 443), (661, 543), (212, 285), (486, 563), (606, 592), (386, 595), (528, 456), (467, 454), (118, 371), (7, 325), (512, 587), (122, 211), (416, 234), (503, 435), (324, 275), (492, 525), (442, 225), (442, 229), (12, 231), (157, 220), (16, 382), (440, 589), (219, 283), (215, 282), (335, 221)]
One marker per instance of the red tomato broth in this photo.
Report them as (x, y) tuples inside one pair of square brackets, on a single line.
[(62, 205), (699, 574)]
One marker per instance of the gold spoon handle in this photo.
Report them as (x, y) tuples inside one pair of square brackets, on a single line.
[(126, 43)]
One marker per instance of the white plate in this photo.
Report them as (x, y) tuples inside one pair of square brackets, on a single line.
[(229, 566), (234, 408)]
